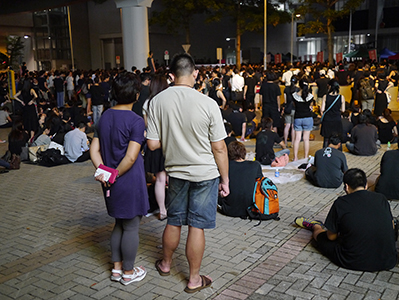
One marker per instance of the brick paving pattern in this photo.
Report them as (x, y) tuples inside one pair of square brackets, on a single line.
[(55, 245)]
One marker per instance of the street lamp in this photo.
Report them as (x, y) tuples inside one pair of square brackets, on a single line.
[(265, 37), (235, 44), (292, 34)]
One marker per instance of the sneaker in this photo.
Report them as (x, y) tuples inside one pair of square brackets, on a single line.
[(307, 223)]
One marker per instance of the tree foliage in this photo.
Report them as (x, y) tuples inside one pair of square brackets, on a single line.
[(178, 14), (324, 13), (15, 47), (248, 15)]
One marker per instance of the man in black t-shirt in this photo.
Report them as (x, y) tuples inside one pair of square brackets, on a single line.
[(359, 232), (329, 165), (265, 141), (238, 121), (388, 182)]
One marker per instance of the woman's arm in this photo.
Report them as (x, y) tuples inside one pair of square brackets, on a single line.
[(130, 158), (323, 105), (33, 93), (16, 98), (95, 153), (342, 103)]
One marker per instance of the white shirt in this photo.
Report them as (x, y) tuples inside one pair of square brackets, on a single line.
[(237, 83)]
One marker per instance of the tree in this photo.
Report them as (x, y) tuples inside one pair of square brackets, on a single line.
[(248, 15), (178, 14), (325, 12), (15, 47)]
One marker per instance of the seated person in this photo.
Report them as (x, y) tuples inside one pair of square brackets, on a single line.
[(238, 121), (358, 233), (364, 138), (242, 178), (5, 120), (265, 141), (76, 144), (346, 127), (388, 182), (44, 138), (387, 131), (64, 128), (329, 165), (229, 131)]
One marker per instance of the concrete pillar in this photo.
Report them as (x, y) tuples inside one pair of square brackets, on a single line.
[(136, 44)]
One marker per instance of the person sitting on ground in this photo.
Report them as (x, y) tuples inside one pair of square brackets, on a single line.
[(265, 141), (238, 120), (44, 138), (76, 144), (329, 165), (364, 138), (388, 181), (358, 233), (346, 126), (5, 120), (242, 178), (229, 131), (387, 131)]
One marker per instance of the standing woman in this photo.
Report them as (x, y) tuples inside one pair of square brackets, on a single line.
[(28, 102), (116, 144), (303, 121), (381, 101), (216, 93), (154, 161), (331, 107), (289, 109)]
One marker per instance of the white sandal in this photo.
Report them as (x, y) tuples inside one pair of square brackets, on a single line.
[(139, 274), (116, 278)]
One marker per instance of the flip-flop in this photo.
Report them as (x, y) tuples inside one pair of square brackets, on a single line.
[(206, 282), (162, 273)]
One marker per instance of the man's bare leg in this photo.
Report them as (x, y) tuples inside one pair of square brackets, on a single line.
[(170, 241), (195, 248)]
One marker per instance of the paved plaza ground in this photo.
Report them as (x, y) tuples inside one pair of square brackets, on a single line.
[(55, 244)]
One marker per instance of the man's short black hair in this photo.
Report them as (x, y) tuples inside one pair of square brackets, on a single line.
[(267, 123), (335, 138), (355, 178), (182, 65), (81, 125)]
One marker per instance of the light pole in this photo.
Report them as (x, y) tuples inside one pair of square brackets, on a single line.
[(265, 38), (235, 45), (292, 34)]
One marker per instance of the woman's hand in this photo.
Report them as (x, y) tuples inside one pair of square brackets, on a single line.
[(100, 178)]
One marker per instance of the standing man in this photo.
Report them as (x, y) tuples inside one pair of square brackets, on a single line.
[(195, 157)]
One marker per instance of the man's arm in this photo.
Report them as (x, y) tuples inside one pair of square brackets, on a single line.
[(331, 236), (243, 131), (219, 150), (153, 144)]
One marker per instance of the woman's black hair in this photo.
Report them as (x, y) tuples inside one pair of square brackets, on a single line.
[(157, 85), (294, 81), (304, 85), (125, 87), (334, 86)]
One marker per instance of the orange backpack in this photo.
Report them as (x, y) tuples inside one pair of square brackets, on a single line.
[(265, 205)]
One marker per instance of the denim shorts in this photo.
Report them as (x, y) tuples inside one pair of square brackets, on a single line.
[(192, 203), (303, 124)]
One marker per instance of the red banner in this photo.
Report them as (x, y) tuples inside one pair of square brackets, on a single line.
[(320, 56), (277, 58), (339, 57), (373, 54)]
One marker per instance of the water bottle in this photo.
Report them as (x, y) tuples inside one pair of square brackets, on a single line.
[(277, 173), (389, 145)]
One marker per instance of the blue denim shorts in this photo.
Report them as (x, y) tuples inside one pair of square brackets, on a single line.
[(303, 124), (192, 203)]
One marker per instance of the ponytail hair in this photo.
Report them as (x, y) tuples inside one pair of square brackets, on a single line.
[(304, 85)]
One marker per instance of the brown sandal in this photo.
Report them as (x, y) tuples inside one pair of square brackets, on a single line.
[(206, 282)]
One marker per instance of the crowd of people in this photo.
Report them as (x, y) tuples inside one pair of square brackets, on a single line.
[(196, 121)]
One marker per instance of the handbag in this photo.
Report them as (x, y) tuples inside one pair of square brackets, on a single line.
[(54, 145), (332, 104), (34, 151)]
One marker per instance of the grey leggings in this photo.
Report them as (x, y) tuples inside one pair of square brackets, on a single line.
[(125, 241)]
